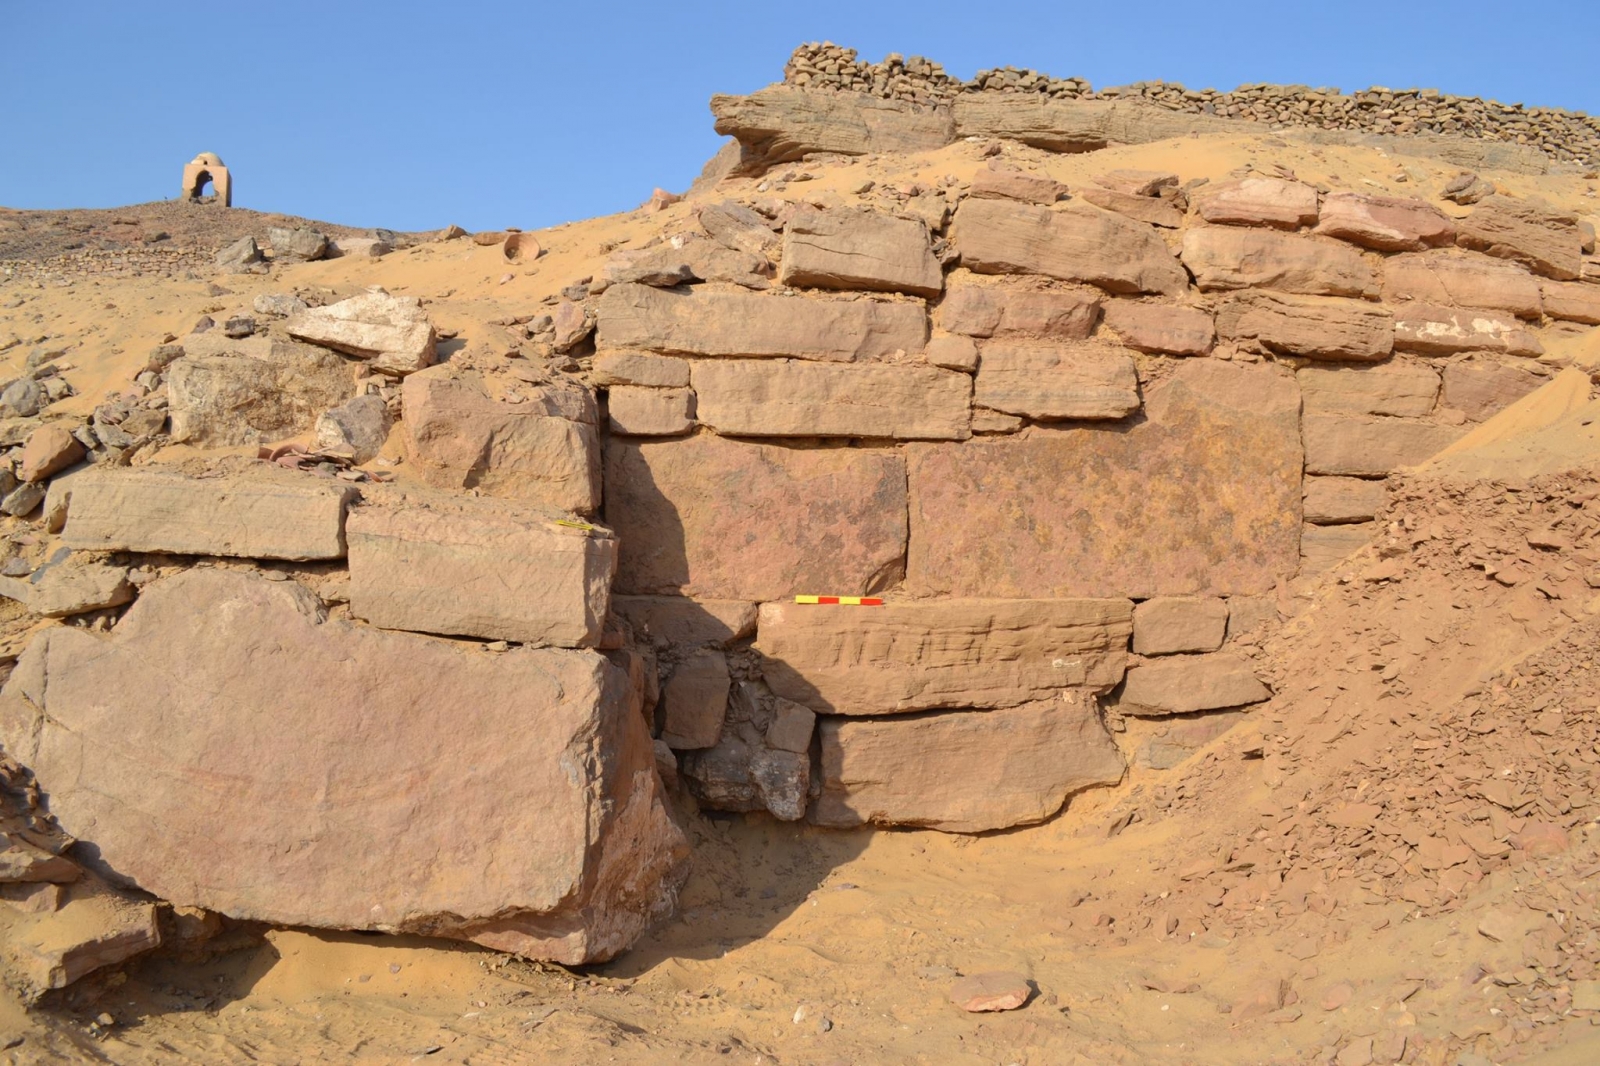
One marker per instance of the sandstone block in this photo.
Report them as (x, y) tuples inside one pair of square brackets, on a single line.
[(256, 517), (1480, 388), (1371, 447), (994, 990), (988, 311), (845, 248), (50, 449), (779, 124), (753, 324), (992, 422), (1201, 498), (1545, 240), (719, 518), (740, 776), (253, 392), (960, 771), (91, 931), (1334, 501), (359, 426), (940, 654), (1008, 183), (1428, 329), (1191, 683), (479, 568), (640, 368), (1385, 223), (694, 701), (642, 412), (60, 590), (545, 451), (1074, 244), (681, 620), (1169, 624), (1147, 209), (21, 862), (1257, 201), (391, 333), (782, 398), (1226, 257), (1574, 302), (1310, 326), (375, 780), (739, 229), (1461, 280), (1324, 547), (1137, 182), (1056, 382), (791, 727), (301, 244), (953, 352), (1161, 328), (1400, 389)]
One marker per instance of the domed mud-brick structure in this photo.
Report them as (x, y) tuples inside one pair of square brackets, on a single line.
[(203, 168)]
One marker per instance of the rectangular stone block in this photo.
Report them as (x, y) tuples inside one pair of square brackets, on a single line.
[(755, 324), (1481, 388), (256, 517), (1257, 200), (1228, 257), (1461, 280), (1056, 382), (640, 368), (724, 519), (1189, 683), (1428, 329), (1167, 625), (847, 248), (995, 311), (681, 620), (1311, 326), (913, 656), (641, 412), (1371, 447), (480, 568), (1547, 241), (1161, 328), (1203, 497), (1573, 301), (694, 701), (960, 771), (1385, 223), (783, 398), (1332, 501), (1402, 389), (1323, 547), (1074, 244)]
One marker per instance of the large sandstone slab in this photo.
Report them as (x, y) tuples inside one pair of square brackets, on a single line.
[(1168, 625), (1385, 223), (1335, 501), (1316, 327), (1257, 200), (1461, 280), (993, 311), (256, 517), (1147, 209), (1546, 240), (544, 451), (1371, 447), (845, 248), (960, 771), (1402, 389), (392, 333), (1428, 329), (1190, 683), (779, 124), (479, 568), (358, 779), (784, 398), (1074, 244), (92, 930), (1161, 328), (1482, 388), (1201, 497), (754, 324), (1228, 257), (1056, 382), (1573, 301), (1324, 547), (250, 393), (940, 654), (726, 519)]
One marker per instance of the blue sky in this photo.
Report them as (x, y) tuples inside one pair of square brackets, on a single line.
[(414, 115)]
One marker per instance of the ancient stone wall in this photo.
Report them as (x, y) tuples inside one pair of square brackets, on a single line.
[(1564, 135)]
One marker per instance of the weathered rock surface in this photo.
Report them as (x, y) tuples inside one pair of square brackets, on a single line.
[(243, 256), (1371, 447), (1147, 209), (643, 412), (953, 352), (359, 426), (1161, 328), (1428, 329), (1008, 183), (391, 333), (1082, 380), (544, 451), (740, 229), (1384, 223), (1402, 389), (1310, 326), (1169, 624), (62, 590), (750, 324), (681, 620), (1323, 547), (301, 244), (940, 654), (994, 990), (256, 517), (90, 932), (1332, 501), (737, 775), (374, 780), (725, 519), (777, 125), (1074, 244), (694, 701), (845, 248), (262, 391), (784, 398), (1547, 241), (1203, 497), (1183, 685), (1574, 302), (1461, 280), (479, 568), (791, 727), (640, 368), (1257, 201), (50, 449), (963, 771), (991, 311), (1229, 257), (1481, 388)]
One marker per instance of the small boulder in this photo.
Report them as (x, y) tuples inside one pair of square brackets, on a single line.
[(243, 256), (50, 449), (276, 304), (23, 398), (359, 426), (994, 990), (297, 245), (391, 332)]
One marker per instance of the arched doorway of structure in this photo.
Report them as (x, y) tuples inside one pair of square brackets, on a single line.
[(203, 186)]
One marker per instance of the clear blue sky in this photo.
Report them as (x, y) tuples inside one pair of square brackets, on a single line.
[(414, 115)]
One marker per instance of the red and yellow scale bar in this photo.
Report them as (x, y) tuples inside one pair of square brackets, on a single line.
[(843, 601)]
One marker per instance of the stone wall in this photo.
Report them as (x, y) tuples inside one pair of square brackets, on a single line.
[(1564, 135)]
